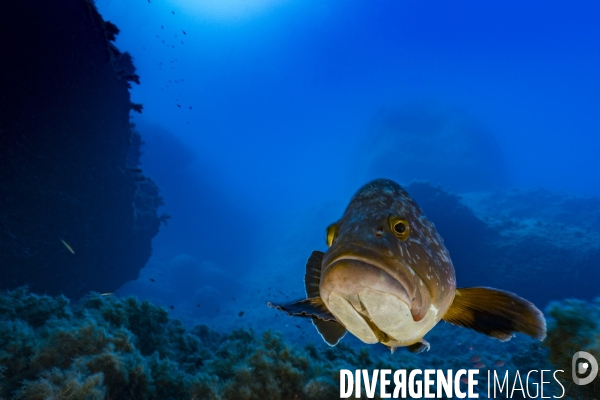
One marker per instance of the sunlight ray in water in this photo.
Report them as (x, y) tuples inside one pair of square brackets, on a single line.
[(226, 9)]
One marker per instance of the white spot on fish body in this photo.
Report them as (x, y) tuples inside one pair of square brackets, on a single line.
[(434, 309)]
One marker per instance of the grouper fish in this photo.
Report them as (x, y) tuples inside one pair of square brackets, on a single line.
[(388, 278)]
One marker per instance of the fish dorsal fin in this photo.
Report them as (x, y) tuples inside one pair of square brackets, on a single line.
[(312, 277), (331, 331), (495, 313)]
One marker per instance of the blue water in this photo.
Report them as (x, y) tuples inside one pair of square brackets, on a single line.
[(262, 118)]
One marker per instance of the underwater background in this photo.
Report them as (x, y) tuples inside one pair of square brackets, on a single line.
[(166, 174)]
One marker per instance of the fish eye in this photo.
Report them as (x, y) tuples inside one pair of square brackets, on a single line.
[(399, 226), (331, 234)]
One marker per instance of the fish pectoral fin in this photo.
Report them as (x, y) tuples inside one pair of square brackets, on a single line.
[(495, 313), (312, 276), (419, 347), (313, 307), (328, 327), (331, 331)]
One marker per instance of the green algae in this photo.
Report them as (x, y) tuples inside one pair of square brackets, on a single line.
[(108, 347)]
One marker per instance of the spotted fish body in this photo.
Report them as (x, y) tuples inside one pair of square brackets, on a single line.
[(387, 277), (384, 289)]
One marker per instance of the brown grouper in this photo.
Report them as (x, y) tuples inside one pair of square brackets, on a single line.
[(387, 277)]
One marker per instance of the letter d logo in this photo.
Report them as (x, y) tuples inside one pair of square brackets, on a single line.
[(583, 367)]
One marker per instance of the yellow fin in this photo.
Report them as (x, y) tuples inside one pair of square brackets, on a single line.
[(495, 313)]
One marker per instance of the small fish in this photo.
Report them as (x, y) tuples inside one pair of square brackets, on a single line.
[(197, 305), (152, 280), (233, 298), (475, 359), (106, 294), (172, 307), (387, 277), (184, 32), (479, 365), (240, 313), (499, 364), (67, 246)]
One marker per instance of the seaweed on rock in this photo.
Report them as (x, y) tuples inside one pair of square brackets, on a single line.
[(107, 347), (574, 326), (58, 384)]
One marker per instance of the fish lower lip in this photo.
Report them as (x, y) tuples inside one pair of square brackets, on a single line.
[(349, 276), (403, 275)]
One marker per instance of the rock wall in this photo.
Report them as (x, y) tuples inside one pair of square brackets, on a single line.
[(76, 214)]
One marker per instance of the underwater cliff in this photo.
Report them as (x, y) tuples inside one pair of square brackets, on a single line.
[(72, 198)]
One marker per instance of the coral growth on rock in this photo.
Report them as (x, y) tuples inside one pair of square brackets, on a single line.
[(574, 326), (106, 347)]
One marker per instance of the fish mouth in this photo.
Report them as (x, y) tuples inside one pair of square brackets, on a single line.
[(363, 277)]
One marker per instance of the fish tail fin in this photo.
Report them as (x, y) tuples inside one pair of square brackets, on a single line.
[(495, 313)]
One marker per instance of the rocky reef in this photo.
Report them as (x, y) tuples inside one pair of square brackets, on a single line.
[(539, 244), (123, 348), (76, 213), (574, 326)]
